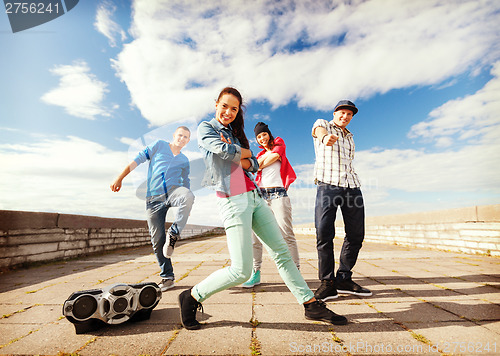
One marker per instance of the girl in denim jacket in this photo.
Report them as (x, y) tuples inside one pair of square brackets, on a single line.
[(229, 161)]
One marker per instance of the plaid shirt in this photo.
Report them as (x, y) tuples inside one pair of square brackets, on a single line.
[(334, 163)]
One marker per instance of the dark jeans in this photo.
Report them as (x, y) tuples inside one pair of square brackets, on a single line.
[(350, 201)]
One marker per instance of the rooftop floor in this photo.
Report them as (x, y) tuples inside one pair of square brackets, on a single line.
[(424, 302)]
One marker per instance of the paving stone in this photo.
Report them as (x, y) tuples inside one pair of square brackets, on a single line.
[(226, 329), (421, 299), (132, 339), (283, 332), (472, 309), (452, 338), (48, 339), (405, 312), (37, 314)]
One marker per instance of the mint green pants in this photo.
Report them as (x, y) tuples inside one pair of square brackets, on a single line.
[(241, 214)]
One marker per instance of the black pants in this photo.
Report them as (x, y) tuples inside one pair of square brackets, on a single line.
[(350, 200)]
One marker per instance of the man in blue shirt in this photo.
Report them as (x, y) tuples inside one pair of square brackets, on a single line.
[(168, 185)]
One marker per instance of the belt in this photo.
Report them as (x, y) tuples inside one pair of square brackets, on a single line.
[(273, 190)]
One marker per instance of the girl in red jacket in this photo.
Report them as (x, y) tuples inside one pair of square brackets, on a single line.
[(274, 177)]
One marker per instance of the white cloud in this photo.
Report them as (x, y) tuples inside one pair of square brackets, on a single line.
[(184, 52), (127, 141), (399, 181), (466, 161), (464, 118), (470, 168), (205, 211), (105, 24), (72, 175), (79, 92), (9, 129), (68, 175), (303, 201), (261, 117), (192, 155)]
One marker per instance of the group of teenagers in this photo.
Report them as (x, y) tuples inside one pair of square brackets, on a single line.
[(257, 211)]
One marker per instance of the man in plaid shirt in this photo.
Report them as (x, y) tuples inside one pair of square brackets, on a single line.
[(337, 186)]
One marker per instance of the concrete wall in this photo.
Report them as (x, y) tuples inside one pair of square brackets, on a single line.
[(470, 230), (27, 237)]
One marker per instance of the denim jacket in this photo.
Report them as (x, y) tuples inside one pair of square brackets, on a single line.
[(219, 155)]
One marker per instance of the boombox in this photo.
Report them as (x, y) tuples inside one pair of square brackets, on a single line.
[(91, 309)]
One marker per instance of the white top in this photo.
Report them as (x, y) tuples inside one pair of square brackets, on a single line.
[(271, 176)]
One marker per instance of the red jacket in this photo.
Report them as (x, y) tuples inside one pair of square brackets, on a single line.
[(288, 175)]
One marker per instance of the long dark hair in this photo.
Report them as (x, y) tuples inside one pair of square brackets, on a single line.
[(238, 125), (270, 144)]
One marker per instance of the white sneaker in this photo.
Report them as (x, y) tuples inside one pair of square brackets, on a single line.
[(166, 284), (168, 249)]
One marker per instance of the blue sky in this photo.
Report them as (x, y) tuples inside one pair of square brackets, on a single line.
[(81, 93)]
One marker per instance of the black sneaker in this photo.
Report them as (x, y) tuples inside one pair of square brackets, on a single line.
[(326, 291), (348, 286), (188, 306), (317, 310)]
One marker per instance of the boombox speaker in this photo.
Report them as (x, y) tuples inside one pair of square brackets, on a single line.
[(91, 309)]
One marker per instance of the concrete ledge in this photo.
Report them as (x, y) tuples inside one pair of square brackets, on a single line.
[(488, 213), (485, 213), (473, 230), (28, 237), (67, 221), (18, 220), (15, 220)]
